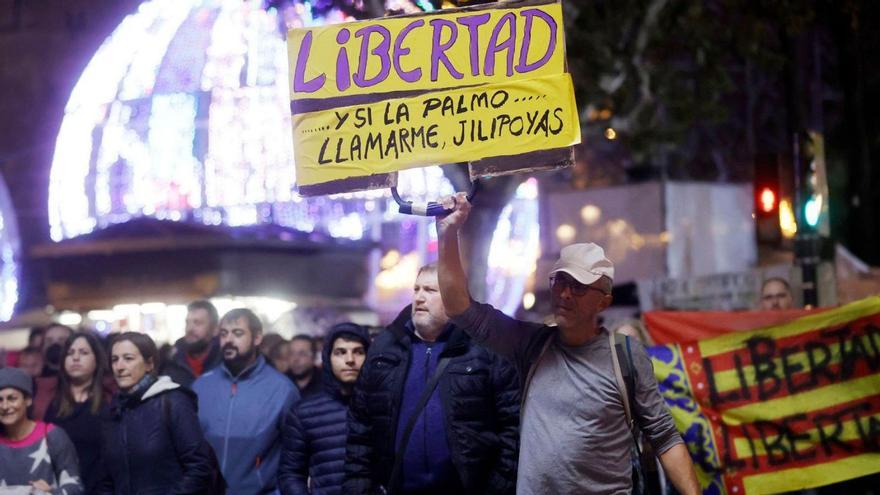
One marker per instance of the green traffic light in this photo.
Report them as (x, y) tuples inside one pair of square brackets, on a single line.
[(812, 208)]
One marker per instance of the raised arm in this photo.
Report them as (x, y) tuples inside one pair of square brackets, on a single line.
[(450, 272), (485, 324)]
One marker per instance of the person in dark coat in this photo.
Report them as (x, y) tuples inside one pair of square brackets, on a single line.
[(464, 440), (46, 384), (198, 351), (314, 435), (152, 441), (53, 342), (81, 399), (301, 366)]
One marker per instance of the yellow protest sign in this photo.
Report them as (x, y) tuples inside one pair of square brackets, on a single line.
[(434, 51), (474, 84), (464, 124)]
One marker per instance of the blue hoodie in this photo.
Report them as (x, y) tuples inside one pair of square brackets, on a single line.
[(242, 419)]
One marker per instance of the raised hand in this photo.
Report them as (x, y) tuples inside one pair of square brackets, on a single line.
[(460, 207)]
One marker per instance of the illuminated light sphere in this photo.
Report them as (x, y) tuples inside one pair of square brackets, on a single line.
[(10, 249), (610, 134), (768, 200), (183, 114)]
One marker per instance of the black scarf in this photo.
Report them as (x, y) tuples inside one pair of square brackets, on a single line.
[(131, 397)]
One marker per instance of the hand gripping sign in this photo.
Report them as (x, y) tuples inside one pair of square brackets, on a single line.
[(484, 84)]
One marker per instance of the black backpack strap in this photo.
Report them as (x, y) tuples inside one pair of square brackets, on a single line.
[(404, 439), (649, 476), (630, 375), (625, 372)]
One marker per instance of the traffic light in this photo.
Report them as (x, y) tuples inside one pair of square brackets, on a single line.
[(814, 189), (812, 245), (812, 211), (787, 221), (766, 185), (767, 199)]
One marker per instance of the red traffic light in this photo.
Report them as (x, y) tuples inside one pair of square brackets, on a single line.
[(767, 200)]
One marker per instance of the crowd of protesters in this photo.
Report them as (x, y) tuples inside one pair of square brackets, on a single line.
[(430, 405)]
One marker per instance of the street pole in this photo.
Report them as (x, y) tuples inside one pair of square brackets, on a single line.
[(813, 247), (807, 242)]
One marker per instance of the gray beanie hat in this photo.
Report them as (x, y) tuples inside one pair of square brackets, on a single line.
[(18, 379)]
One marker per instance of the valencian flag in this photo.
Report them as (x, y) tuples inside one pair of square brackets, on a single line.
[(790, 406)]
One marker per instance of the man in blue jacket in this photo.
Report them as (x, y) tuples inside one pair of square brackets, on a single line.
[(242, 404), (313, 441)]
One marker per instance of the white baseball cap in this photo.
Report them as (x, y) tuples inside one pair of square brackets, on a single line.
[(586, 262)]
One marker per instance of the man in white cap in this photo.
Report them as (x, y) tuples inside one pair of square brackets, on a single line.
[(574, 436)]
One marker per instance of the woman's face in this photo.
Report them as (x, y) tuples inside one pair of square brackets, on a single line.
[(80, 363), (128, 364), (13, 406)]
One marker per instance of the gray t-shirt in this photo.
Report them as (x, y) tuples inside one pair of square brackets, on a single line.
[(573, 436)]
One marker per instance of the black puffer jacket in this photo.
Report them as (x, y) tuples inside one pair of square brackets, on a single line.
[(314, 434), (153, 444), (480, 397)]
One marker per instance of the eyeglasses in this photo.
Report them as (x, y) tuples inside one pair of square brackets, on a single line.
[(559, 283)]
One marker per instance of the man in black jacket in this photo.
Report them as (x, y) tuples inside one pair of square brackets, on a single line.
[(314, 433), (198, 351), (463, 440), (302, 370)]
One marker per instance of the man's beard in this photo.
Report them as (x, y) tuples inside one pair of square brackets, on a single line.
[(301, 376), (237, 364), (426, 323), (197, 347), (53, 356)]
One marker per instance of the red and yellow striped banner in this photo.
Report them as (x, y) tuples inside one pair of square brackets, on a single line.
[(790, 406)]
